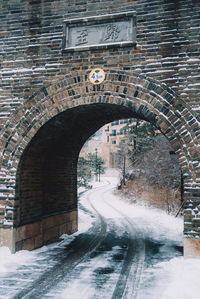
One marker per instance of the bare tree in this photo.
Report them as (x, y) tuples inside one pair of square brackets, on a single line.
[(152, 160)]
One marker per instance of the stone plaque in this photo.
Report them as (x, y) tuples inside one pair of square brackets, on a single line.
[(100, 31)]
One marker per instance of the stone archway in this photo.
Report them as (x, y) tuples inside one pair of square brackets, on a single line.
[(74, 100)]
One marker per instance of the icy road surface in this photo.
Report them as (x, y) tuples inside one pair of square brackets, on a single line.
[(121, 251)]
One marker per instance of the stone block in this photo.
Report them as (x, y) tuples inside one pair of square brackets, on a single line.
[(33, 229), (69, 228), (59, 219), (67, 217), (7, 238), (38, 241), (74, 227), (48, 222), (196, 222), (28, 244), (191, 248), (73, 215), (18, 245), (20, 233), (63, 229), (51, 234)]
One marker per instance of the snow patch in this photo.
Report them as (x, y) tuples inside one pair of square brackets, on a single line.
[(184, 278), (9, 262)]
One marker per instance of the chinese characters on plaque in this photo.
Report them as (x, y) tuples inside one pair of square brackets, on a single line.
[(82, 37), (111, 34)]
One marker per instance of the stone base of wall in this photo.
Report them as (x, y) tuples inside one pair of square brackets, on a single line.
[(191, 248), (6, 238), (48, 230)]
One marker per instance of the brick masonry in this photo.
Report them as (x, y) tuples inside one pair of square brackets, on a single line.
[(48, 107)]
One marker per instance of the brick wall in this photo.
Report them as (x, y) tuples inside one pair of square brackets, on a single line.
[(31, 45), (32, 60)]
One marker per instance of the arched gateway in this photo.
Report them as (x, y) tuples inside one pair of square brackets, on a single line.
[(40, 145)]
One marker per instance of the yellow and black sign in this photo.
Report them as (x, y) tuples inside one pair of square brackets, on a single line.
[(96, 76)]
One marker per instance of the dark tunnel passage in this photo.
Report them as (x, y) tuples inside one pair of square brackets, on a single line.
[(47, 173)]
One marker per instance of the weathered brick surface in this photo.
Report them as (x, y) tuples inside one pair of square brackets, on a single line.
[(48, 107), (31, 42)]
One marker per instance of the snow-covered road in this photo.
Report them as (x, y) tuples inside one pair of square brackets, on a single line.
[(120, 251)]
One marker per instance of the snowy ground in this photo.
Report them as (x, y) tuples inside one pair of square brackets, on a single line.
[(165, 275)]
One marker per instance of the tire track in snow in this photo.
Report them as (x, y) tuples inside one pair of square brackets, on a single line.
[(64, 268), (129, 280)]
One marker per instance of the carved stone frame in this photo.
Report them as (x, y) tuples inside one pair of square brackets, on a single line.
[(100, 19)]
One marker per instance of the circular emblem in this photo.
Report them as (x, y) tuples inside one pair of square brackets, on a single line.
[(96, 76)]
